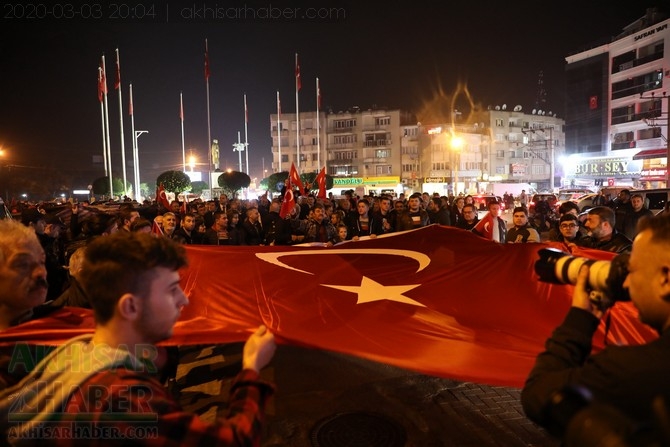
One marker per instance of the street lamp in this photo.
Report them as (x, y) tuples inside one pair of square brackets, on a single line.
[(456, 143), (136, 163), (191, 161)]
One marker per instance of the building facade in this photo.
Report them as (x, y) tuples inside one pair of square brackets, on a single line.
[(378, 151), (617, 108), (308, 151)]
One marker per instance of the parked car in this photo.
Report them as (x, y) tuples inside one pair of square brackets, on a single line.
[(482, 200), (654, 199), (585, 201), (550, 198)]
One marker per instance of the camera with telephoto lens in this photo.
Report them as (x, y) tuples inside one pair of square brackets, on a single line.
[(605, 280)]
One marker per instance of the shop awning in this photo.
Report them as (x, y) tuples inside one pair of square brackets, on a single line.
[(650, 153)]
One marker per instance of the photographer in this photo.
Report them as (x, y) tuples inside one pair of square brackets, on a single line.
[(627, 378)]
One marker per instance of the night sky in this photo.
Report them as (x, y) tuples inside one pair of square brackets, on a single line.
[(379, 54)]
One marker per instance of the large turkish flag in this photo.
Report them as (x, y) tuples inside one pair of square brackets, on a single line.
[(437, 300)]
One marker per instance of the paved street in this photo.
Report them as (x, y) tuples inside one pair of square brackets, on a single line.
[(325, 399)]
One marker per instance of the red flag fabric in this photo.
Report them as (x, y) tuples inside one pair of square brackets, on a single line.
[(295, 179), (485, 227), (117, 82), (101, 85), (156, 229), (298, 81), (246, 113), (288, 203), (441, 303), (181, 108), (321, 181), (161, 197), (206, 61)]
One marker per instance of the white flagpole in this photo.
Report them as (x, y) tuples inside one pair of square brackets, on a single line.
[(123, 145), (246, 139), (279, 129), (181, 115), (136, 158), (318, 128), (297, 110), (209, 127), (109, 151), (102, 119)]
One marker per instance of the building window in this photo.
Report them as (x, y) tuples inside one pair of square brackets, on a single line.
[(500, 154), (539, 169), (382, 153), (343, 170), (344, 124), (315, 157), (500, 122), (383, 121), (383, 169), (652, 132), (410, 150), (284, 158), (344, 139), (346, 155)]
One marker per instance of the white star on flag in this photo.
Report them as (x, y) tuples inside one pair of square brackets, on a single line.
[(371, 290)]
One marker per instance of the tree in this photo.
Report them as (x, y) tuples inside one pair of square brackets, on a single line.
[(174, 181), (198, 187), (101, 186), (276, 181), (231, 182)]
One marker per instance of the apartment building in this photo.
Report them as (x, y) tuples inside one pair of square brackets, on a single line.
[(617, 108), (379, 151)]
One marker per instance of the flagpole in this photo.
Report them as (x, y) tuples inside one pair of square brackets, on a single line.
[(109, 150), (246, 139), (123, 145), (102, 118), (136, 157), (297, 109), (181, 115), (279, 129), (318, 127), (209, 127)]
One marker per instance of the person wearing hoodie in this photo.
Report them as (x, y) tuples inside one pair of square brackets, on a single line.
[(98, 386)]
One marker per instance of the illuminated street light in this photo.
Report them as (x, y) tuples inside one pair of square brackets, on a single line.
[(456, 143), (191, 161)]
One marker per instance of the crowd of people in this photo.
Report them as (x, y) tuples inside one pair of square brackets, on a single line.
[(330, 221), (124, 266)]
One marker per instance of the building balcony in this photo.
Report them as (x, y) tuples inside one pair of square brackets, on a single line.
[(377, 143), (341, 145), (637, 62), (376, 127), (623, 145)]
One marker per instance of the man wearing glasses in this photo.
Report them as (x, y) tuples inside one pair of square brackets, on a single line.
[(469, 219)]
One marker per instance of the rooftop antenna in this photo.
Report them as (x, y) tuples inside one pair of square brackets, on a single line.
[(541, 97)]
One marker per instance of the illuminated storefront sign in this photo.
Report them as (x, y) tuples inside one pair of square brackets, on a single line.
[(604, 167)]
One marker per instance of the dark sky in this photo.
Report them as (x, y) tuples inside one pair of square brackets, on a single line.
[(397, 55)]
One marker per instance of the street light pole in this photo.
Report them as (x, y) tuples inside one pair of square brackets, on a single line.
[(239, 147), (136, 164)]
